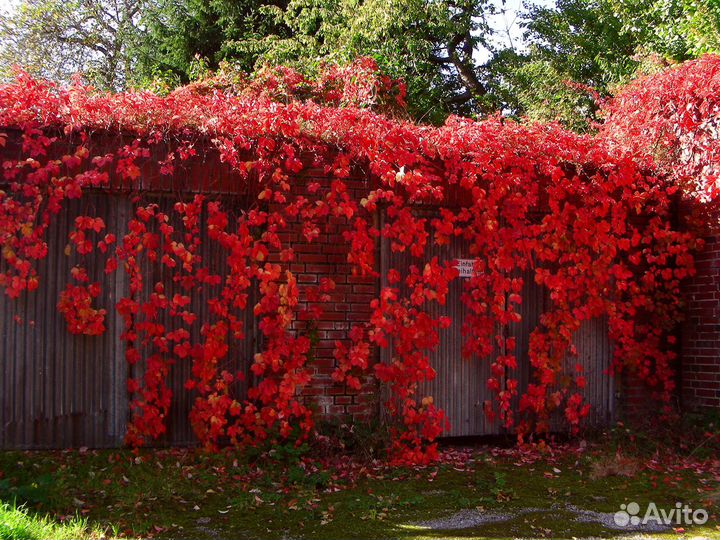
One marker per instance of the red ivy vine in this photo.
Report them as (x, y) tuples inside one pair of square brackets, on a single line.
[(673, 119), (597, 230)]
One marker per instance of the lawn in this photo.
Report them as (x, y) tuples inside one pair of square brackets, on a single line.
[(477, 492)]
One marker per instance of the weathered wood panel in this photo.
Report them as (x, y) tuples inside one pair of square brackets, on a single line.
[(460, 387), (239, 358), (61, 390)]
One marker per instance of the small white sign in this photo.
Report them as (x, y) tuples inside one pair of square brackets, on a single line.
[(465, 267)]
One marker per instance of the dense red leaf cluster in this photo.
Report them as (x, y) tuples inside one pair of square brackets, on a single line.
[(360, 84), (673, 118), (597, 230)]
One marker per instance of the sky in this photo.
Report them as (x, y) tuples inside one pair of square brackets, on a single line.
[(507, 23), (5, 5)]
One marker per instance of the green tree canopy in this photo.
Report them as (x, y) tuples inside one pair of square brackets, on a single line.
[(598, 44), (428, 43), (57, 38)]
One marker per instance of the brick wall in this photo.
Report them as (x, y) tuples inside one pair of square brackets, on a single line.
[(350, 303), (700, 338), (699, 377)]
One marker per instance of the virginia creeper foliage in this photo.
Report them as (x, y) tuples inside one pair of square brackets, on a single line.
[(673, 118), (597, 229)]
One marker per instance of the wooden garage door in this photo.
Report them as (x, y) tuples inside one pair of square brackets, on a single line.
[(460, 387)]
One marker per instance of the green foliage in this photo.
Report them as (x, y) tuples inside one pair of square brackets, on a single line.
[(183, 39), (57, 38), (674, 29), (600, 44), (299, 476), (538, 90), (577, 41), (17, 524), (427, 43), (287, 454), (362, 439)]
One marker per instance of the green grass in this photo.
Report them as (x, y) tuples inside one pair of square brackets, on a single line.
[(16, 523), (185, 494)]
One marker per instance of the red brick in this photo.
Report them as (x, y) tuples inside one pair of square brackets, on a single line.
[(700, 351)]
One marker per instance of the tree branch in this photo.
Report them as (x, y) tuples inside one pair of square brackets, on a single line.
[(464, 66)]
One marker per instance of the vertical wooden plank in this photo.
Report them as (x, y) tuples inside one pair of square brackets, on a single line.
[(460, 385), (43, 304), (119, 369), (67, 360), (54, 383), (385, 353), (50, 328), (4, 371)]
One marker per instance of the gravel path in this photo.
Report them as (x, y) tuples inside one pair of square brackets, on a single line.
[(465, 519), (469, 518), (606, 519)]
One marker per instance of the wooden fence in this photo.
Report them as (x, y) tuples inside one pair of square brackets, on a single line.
[(62, 390)]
